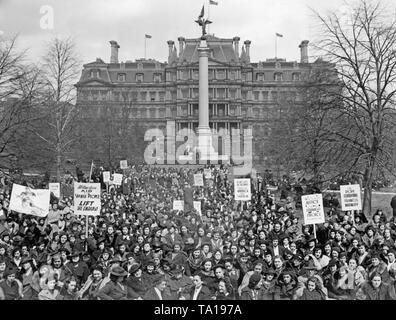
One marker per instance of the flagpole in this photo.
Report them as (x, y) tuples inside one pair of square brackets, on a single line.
[(276, 47), (90, 172), (145, 46)]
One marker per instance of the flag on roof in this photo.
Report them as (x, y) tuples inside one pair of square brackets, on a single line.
[(279, 35), (213, 2), (148, 36)]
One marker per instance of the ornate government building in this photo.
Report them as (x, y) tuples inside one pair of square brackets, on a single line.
[(121, 100)]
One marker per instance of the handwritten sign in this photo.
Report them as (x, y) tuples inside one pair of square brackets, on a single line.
[(87, 199), (242, 190), (351, 197), (312, 206), (208, 174), (178, 205), (54, 188), (198, 180), (106, 176), (124, 164), (117, 179), (197, 206)]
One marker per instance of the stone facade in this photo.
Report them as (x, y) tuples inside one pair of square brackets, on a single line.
[(129, 97)]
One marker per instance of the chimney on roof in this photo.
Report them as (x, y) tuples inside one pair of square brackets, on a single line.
[(181, 45), (236, 45), (114, 51), (170, 46), (247, 45), (304, 51)]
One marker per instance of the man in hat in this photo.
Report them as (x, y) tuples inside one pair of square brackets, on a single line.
[(179, 285), (79, 269), (137, 284), (253, 290)]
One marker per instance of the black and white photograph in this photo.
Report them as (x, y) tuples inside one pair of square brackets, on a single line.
[(197, 154)]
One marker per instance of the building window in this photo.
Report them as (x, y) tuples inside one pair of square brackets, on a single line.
[(296, 76), (152, 96), (157, 77), (221, 74), (95, 74), (195, 74), (121, 77), (139, 77), (260, 77), (232, 74), (256, 95), (278, 76)]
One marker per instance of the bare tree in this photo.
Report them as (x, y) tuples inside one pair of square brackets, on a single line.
[(60, 70), (363, 51), (19, 93)]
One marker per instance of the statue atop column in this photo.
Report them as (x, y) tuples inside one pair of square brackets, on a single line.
[(203, 22)]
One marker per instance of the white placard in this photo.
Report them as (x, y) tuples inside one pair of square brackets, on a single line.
[(197, 206), (312, 206), (178, 205), (117, 179), (208, 174), (242, 190), (30, 201), (54, 188), (106, 176), (87, 199), (351, 197), (124, 164), (198, 180)]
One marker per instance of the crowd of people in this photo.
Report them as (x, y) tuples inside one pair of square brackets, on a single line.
[(139, 248)]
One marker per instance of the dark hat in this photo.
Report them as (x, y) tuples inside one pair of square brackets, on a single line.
[(332, 263), (158, 279), (75, 253), (311, 238), (116, 259), (135, 267), (65, 250), (269, 271), (118, 271), (10, 270), (150, 262), (177, 269), (26, 260), (289, 272), (130, 255), (310, 265), (254, 279)]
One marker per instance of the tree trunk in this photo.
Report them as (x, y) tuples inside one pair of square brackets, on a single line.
[(368, 188), (58, 164)]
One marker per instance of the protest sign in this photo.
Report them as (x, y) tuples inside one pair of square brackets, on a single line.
[(208, 174), (87, 199), (30, 201), (178, 205), (55, 189), (198, 180), (312, 206), (242, 189), (197, 206), (106, 176), (117, 179), (124, 164), (351, 197)]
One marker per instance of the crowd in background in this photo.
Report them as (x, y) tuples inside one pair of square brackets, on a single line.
[(140, 248)]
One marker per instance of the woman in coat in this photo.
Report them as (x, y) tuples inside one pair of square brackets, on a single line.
[(115, 289), (374, 289), (312, 291)]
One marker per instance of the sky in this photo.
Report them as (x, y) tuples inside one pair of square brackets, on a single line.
[(93, 23)]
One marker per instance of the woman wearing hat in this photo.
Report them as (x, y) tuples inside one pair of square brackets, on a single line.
[(286, 285), (94, 283), (115, 289), (313, 291), (30, 287), (137, 284)]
